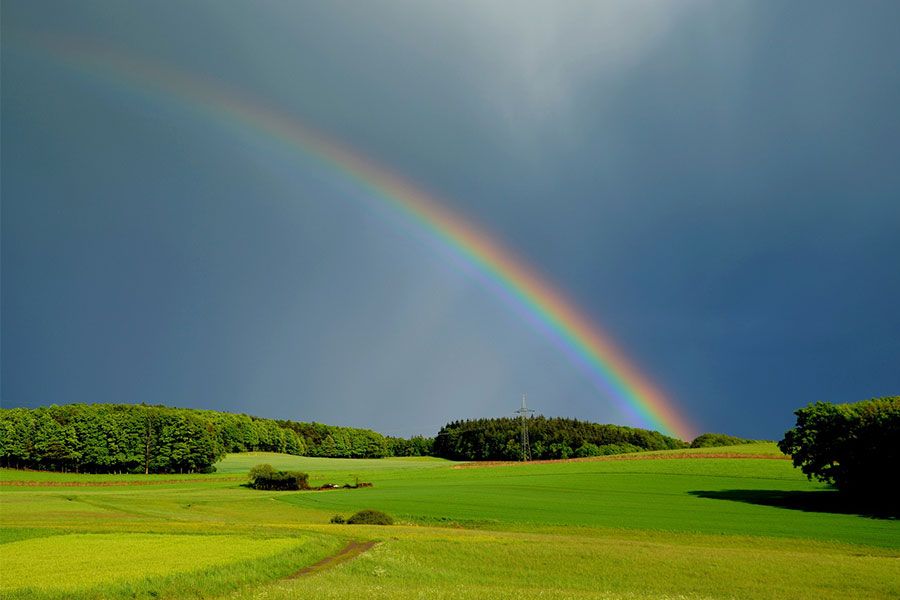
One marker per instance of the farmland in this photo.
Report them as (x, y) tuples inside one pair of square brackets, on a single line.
[(651, 527)]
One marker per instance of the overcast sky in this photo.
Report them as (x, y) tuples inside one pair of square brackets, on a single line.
[(716, 184)]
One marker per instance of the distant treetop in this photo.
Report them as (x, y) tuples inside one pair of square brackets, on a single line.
[(549, 438), (709, 440)]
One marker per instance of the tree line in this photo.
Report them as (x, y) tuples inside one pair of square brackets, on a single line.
[(549, 438), (129, 438)]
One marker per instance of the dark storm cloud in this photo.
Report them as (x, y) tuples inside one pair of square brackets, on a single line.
[(715, 183)]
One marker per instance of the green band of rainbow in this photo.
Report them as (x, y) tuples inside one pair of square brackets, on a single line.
[(570, 329)]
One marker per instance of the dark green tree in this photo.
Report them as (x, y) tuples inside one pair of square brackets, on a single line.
[(853, 446)]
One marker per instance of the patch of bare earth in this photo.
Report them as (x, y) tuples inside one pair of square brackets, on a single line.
[(348, 552)]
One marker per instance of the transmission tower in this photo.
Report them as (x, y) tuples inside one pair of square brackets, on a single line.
[(524, 412)]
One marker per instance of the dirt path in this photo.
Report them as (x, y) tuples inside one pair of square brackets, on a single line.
[(634, 456), (348, 552)]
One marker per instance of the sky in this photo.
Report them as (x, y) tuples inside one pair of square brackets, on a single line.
[(716, 186)]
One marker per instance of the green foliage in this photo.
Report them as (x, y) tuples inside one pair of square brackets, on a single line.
[(623, 448), (108, 438), (338, 442), (264, 477), (414, 446), (551, 438), (338, 520), (853, 446), (127, 438), (711, 440), (587, 449), (260, 472), (370, 517)]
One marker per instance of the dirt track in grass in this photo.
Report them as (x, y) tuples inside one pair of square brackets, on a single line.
[(348, 552)]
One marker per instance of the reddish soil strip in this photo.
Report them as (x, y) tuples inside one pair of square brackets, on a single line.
[(635, 456), (112, 483), (349, 552)]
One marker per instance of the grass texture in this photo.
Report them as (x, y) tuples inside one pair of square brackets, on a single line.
[(657, 527), (67, 563)]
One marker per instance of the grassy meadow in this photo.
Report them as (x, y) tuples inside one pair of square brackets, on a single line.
[(652, 527)]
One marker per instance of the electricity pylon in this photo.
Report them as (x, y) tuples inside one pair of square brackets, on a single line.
[(524, 412)]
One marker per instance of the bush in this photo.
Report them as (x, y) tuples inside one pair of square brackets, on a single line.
[(558, 450), (710, 440), (856, 446), (260, 471), (338, 519), (370, 517), (264, 477), (623, 448), (588, 450)]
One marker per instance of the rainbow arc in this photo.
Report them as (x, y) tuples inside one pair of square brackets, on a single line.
[(584, 342)]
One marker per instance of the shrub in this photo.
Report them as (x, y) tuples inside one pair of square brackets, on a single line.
[(260, 471), (623, 448), (559, 450), (338, 519), (855, 446), (264, 477), (370, 517), (586, 450)]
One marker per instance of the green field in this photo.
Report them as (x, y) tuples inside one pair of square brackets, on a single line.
[(656, 527)]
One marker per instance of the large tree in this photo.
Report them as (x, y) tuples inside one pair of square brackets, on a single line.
[(855, 446)]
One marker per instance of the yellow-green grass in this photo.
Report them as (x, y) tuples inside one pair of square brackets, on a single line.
[(415, 563), (322, 467), (689, 528), (62, 565), (233, 468), (760, 448), (235, 465)]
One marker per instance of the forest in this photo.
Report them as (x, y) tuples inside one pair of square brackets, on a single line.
[(128, 438), (549, 438)]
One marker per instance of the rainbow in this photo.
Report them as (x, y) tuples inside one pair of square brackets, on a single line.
[(535, 297)]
